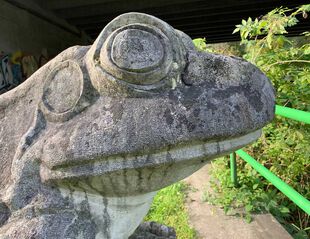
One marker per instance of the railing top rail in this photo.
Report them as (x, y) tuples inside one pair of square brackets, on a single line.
[(291, 193), (294, 114)]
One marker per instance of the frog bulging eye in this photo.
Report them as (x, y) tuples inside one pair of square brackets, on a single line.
[(62, 91), (137, 50), (135, 53)]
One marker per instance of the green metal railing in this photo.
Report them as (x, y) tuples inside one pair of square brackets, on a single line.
[(298, 115), (291, 193)]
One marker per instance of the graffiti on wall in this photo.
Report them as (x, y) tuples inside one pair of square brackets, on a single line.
[(17, 67)]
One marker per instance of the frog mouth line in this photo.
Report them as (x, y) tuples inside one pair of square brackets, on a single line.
[(199, 151)]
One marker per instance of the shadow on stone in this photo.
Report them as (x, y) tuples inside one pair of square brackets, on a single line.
[(4, 213)]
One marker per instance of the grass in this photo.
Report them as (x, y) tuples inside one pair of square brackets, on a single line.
[(169, 208)]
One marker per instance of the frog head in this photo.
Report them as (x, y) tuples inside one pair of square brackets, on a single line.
[(137, 111)]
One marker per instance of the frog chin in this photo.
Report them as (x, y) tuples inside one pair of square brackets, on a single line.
[(127, 175), (115, 217)]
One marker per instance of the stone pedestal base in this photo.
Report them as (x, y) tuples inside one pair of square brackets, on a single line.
[(153, 230)]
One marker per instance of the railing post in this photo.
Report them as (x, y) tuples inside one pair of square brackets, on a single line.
[(233, 169)]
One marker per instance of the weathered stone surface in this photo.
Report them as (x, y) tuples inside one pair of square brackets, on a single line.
[(87, 141), (153, 230)]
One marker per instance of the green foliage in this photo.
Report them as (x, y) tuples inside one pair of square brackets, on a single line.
[(284, 147), (250, 197), (169, 208), (201, 45), (271, 25), (220, 48)]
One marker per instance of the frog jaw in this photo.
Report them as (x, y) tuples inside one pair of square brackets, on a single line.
[(120, 175)]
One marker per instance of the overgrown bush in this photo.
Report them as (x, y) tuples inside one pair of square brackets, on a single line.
[(284, 147)]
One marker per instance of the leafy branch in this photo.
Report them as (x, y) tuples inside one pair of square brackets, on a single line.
[(285, 62)]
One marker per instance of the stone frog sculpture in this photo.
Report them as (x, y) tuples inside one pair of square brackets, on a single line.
[(88, 139)]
